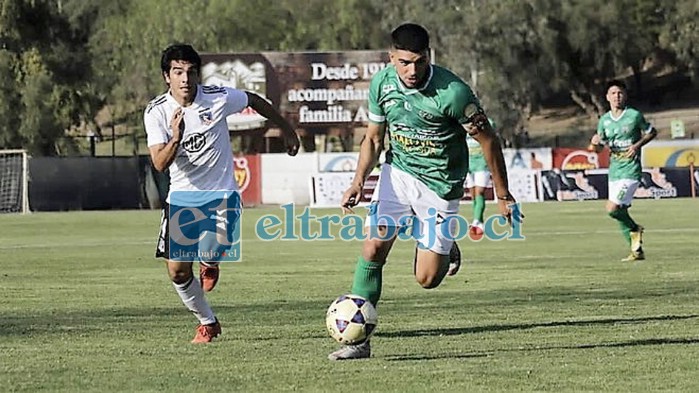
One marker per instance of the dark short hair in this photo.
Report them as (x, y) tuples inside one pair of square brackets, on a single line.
[(617, 83), (181, 52), (410, 37)]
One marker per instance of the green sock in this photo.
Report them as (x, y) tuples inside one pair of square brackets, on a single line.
[(478, 207), (367, 280), (626, 223)]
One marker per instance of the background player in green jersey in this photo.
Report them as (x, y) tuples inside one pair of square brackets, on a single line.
[(625, 131), (426, 111), (477, 179)]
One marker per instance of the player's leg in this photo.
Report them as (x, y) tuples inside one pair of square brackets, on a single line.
[(435, 228), (192, 296), (188, 289), (213, 245), (620, 197), (385, 209), (367, 282)]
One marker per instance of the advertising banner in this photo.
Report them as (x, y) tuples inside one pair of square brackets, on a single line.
[(578, 159), (667, 154), (530, 158), (316, 91), (593, 184), (247, 175)]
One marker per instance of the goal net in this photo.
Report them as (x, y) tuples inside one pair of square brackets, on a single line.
[(14, 181)]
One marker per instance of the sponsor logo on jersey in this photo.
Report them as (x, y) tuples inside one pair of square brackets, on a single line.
[(388, 88), (194, 143), (425, 115)]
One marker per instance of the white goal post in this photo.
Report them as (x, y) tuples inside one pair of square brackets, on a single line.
[(14, 181)]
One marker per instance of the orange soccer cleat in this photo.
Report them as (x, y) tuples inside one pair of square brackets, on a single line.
[(207, 333), (208, 275)]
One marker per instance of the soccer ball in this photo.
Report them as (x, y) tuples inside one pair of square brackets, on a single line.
[(351, 319)]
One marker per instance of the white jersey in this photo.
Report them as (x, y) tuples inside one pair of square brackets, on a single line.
[(204, 158)]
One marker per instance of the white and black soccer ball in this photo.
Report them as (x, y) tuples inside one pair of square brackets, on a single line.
[(351, 319)]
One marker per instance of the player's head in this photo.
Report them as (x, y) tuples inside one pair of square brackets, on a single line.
[(181, 65), (616, 94), (410, 47)]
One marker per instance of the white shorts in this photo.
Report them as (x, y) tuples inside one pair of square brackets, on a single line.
[(403, 201), (621, 191), (478, 179)]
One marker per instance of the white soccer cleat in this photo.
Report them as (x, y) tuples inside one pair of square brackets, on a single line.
[(359, 351)]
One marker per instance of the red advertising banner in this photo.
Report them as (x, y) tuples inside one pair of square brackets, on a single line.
[(247, 175), (579, 159)]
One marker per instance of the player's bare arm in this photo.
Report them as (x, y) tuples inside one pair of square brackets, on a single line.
[(369, 152), (595, 144), (261, 106), (635, 149), (163, 154), (481, 131)]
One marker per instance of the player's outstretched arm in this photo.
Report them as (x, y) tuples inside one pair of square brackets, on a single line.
[(261, 106), (481, 131), (369, 152)]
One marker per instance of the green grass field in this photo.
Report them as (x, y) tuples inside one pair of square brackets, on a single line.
[(85, 307)]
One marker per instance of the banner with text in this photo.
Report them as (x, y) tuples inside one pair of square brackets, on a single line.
[(593, 184), (316, 91)]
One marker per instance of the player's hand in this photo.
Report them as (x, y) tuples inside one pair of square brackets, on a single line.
[(291, 141), (596, 140), (632, 151), (510, 209), (177, 124), (350, 198)]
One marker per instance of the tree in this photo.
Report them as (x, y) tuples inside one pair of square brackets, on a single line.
[(680, 34)]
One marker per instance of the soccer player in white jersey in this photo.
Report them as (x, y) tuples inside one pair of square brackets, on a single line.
[(188, 134), (625, 131)]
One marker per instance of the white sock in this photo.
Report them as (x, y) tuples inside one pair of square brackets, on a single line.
[(193, 297)]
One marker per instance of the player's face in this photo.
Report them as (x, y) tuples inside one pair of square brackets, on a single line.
[(616, 97), (182, 79), (412, 67)]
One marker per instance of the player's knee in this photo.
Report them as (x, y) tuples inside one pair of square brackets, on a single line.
[(428, 281), (178, 275)]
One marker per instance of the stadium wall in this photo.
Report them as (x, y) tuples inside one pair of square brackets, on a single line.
[(319, 179)]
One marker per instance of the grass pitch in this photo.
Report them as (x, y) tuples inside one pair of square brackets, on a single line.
[(85, 307)]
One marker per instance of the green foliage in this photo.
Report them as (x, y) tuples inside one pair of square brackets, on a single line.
[(89, 54), (680, 33)]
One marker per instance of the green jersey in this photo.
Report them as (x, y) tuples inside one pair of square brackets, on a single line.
[(476, 159), (620, 133), (426, 137)]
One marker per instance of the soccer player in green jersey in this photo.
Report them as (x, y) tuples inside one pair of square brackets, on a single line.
[(426, 111), (625, 131), (477, 179)]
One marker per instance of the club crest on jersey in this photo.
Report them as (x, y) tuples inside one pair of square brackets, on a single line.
[(206, 116), (194, 142)]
